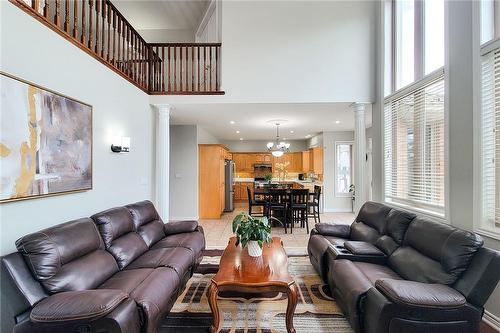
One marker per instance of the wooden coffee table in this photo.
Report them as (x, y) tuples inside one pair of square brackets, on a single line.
[(241, 273)]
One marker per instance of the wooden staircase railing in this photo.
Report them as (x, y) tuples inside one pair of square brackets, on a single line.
[(98, 28)]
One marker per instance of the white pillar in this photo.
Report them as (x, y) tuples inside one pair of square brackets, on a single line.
[(360, 154), (162, 172)]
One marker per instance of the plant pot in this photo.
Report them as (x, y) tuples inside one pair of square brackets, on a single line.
[(254, 249)]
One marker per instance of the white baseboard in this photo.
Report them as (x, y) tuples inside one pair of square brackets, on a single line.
[(492, 320), (183, 218), (337, 210)]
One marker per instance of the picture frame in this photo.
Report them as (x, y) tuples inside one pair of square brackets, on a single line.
[(46, 142)]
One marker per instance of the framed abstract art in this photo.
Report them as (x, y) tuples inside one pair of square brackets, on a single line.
[(45, 142)]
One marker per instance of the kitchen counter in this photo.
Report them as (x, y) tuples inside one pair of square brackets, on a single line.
[(243, 180)]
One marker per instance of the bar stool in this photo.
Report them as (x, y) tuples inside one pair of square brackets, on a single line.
[(313, 205), (299, 199), (277, 206)]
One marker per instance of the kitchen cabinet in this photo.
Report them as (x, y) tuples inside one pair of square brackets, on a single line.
[(305, 161), (239, 160), (240, 190), (316, 160), (211, 180)]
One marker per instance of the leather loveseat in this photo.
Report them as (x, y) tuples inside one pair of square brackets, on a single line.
[(392, 271), (120, 270)]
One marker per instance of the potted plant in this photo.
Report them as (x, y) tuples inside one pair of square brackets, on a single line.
[(352, 190), (268, 177), (252, 232)]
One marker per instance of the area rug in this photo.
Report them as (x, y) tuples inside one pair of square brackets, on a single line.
[(316, 309)]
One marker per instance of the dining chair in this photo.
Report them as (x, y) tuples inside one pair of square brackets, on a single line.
[(313, 204), (252, 202), (277, 206), (299, 199)]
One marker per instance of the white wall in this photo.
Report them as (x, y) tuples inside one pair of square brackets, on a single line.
[(35, 53), (206, 137), (261, 145), (183, 172), (298, 51), (167, 35)]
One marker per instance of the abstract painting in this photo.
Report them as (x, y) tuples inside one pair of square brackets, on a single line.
[(45, 142)]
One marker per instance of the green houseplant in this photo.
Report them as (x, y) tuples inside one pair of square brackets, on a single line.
[(252, 232), (268, 177)]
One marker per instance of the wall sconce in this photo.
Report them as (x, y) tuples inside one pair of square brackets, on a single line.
[(120, 144)]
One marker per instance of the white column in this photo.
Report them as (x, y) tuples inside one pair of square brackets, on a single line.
[(360, 154), (162, 172)]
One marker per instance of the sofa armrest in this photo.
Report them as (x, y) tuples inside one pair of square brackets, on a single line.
[(334, 230), (179, 227), (77, 305), (417, 294)]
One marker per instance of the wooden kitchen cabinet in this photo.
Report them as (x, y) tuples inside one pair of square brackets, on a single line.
[(316, 160), (305, 161), (211, 180), (240, 191)]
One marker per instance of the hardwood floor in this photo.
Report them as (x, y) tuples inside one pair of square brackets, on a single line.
[(217, 233)]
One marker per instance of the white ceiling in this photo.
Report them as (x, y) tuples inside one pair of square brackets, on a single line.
[(162, 14), (252, 119)]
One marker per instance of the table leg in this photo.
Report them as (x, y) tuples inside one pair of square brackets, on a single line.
[(213, 291), (293, 294)]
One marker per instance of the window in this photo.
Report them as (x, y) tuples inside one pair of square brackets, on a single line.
[(490, 120), (343, 160), (490, 14), (414, 129), (414, 41)]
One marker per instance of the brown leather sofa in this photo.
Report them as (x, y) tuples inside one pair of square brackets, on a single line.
[(392, 271), (119, 271)]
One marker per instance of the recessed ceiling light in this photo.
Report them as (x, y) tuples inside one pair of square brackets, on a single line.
[(284, 139), (292, 132), (232, 122), (337, 121), (308, 136), (241, 139), (237, 132)]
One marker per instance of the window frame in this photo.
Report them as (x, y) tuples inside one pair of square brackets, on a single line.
[(337, 143), (420, 80), (480, 225), (418, 48)]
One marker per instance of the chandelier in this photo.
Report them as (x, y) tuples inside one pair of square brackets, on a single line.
[(278, 148)]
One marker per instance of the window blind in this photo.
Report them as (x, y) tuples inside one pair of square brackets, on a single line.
[(414, 159), (490, 140)]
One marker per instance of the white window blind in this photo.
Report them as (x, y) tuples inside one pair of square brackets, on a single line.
[(490, 138), (414, 159)]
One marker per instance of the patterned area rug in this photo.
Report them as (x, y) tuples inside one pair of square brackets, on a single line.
[(316, 310)]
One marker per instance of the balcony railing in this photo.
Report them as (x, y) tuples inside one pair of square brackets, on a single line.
[(98, 28)]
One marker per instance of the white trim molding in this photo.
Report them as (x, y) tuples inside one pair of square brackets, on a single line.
[(491, 320)]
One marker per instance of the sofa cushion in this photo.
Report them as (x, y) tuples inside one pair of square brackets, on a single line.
[(179, 227), (433, 252), (193, 240), (373, 272), (374, 214), (179, 259), (67, 257), (127, 280), (77, 305), (363, 232), (118, 232), (398, 222), (147, 222), (419, 294)]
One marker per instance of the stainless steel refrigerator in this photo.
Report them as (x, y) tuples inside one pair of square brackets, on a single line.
[(229, 189)]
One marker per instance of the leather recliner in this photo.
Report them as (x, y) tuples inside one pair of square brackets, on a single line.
[(393, 271), (119, 271)]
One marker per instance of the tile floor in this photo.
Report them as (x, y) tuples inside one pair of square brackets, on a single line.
[(217, 232)]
